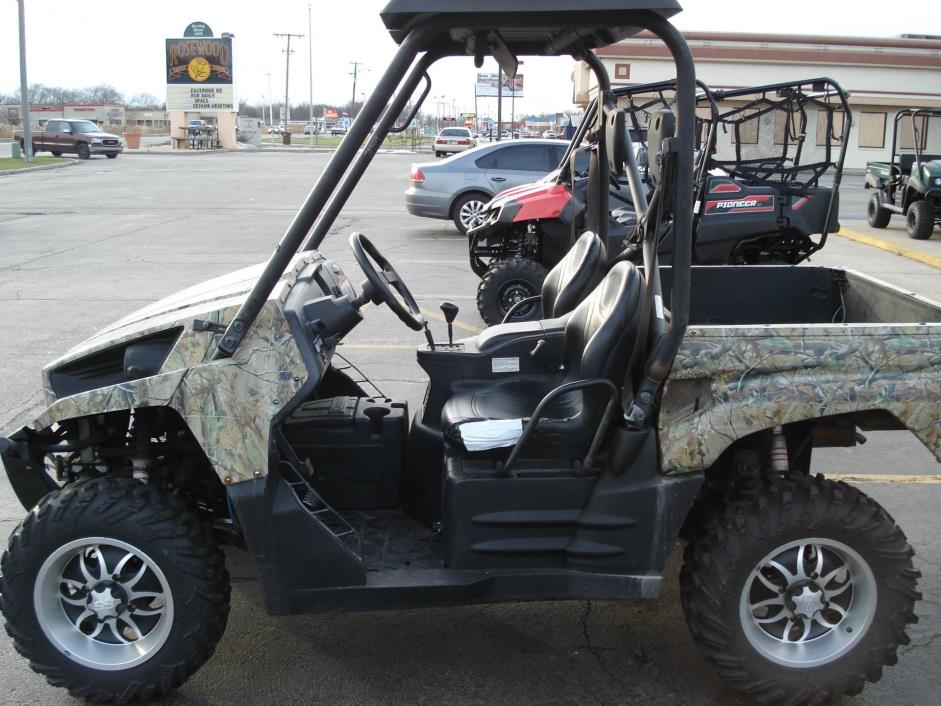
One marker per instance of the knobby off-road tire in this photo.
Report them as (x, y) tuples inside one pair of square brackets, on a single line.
[(174, 588), (876, 216), (866, 584), (919, 220), (505, 282)]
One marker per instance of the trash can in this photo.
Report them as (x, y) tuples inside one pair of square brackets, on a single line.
[(17, 152), (286, 137)]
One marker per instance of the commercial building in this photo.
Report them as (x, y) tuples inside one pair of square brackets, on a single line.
[(882, 75), (105, 114)]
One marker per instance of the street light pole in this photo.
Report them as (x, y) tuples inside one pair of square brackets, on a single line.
[(270, 102), (24, 96), (310, 69)]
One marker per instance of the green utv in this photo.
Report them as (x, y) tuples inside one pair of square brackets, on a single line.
[(910, 183), (559, 459)]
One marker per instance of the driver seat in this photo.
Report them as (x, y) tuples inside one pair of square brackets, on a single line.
[(598, 339)]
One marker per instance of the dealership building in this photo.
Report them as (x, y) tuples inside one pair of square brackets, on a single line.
[(881, 75)]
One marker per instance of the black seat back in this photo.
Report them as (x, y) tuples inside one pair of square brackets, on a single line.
[(574, 276), (601, 332)]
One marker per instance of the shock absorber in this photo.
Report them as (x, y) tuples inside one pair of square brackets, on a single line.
[(779, 459)]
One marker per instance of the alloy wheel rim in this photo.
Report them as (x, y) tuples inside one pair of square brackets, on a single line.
[(808, 602), (103, 603), (471, 214)]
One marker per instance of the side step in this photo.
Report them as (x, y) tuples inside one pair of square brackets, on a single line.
[(442, 587)]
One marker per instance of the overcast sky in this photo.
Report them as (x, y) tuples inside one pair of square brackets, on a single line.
[(77, 44)]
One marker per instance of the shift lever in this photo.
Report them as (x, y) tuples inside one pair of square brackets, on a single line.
[(450, 313)]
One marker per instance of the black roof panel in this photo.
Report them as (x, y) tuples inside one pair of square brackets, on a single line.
[(528, 27)]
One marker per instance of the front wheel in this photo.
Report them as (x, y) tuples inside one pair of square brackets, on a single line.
[(112, 156), (801, 591), (877, 216), (919, 220), (114, 590), (56, 153), (508, 282), (83, 151)]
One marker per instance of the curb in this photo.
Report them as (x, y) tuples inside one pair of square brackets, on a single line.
[(900, 250), (41, 167), (179, 152)]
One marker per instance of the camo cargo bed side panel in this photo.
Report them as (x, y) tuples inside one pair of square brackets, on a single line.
[(729, 382)]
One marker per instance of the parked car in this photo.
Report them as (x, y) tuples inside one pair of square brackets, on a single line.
[(549, 134), (311, 130), (459, 187), (276, 129), (337, 129), (81, 137), (453, 139)]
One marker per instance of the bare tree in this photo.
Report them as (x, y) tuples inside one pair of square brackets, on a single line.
[(145, 101)]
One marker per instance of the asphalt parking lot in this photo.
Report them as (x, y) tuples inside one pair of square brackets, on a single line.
[(85, 245)]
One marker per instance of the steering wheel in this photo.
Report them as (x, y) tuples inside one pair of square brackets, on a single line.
[(383, 283)]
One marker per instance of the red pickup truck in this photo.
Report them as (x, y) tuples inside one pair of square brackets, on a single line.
[(81, 137)]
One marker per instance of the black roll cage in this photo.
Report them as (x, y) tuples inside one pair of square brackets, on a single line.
[(340, 176), (914, 113)]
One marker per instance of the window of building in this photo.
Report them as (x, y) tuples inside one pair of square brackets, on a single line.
[(906, 138), (745, 132), (622, 72), (872, 130), (789, 125), (836, 131)]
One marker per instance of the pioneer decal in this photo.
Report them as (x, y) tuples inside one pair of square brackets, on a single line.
[(763, 203)]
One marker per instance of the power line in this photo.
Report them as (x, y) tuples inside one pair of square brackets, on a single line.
[(287, 72)]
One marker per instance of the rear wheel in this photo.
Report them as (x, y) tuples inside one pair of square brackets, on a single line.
[(83, 151), (114, 590), (56, 153), (467, 212), (506, 283), (801, 592), (877, 216), (112, 156), (919, 220)]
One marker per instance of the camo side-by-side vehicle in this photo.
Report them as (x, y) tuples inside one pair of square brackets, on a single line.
[(549, 460)]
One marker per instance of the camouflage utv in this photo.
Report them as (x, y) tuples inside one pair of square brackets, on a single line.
[(549, 460)]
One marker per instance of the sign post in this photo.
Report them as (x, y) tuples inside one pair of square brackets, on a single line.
[(199, 80)]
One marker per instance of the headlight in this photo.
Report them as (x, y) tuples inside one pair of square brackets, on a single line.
[(96, 140), (937, 181)]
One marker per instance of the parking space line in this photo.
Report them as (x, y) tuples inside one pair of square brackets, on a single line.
[(379, 346), (447, 297), (910, 253), (926, 479)]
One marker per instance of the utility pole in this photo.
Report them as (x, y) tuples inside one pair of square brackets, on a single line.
[(499, 104), (24, 95), (354, 73), (310, 70), (287, 73)]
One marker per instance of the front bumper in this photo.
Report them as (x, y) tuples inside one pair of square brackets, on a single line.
[(25, 470), (105, 149)]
